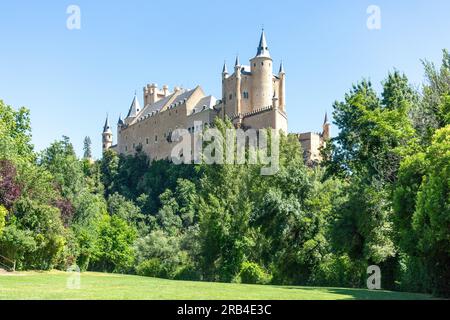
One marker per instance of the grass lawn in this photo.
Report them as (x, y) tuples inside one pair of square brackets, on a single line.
[(53, 285)]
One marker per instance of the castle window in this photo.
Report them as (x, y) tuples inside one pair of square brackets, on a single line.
[(245, 94), (126, 148), (231, 96), (156, 138), (146, 140), (262, 63), (254, 64)]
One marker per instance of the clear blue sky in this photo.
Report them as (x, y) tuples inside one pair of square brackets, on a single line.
[(71, 79)]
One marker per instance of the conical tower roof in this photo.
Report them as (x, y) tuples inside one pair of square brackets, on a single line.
[(107, 127), (135, 108), (263, 49)]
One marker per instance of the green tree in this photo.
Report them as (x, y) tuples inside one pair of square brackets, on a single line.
[(15, 134), (61, 161), (114, 247), (87, 151), (431, 220), (109, 167), (126, 209)]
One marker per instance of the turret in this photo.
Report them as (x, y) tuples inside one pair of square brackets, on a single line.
[(224, 70), (326, 128), (282, 89), (107, 138), (262, 76), (237, 72)]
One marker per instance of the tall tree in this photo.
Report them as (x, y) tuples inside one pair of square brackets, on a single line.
[(87, 143)]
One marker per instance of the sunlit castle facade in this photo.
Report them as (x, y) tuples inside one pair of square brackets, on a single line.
[(253, 96)]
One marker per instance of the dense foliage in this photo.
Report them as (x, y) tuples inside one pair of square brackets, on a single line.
[(380, 197)]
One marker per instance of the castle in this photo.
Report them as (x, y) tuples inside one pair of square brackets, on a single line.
[(252, 97)]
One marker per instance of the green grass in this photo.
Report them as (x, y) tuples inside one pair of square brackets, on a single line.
[(100, 286)]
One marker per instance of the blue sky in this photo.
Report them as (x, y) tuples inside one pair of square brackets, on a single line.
[(70, 79)]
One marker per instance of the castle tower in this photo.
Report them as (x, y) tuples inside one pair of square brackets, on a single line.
[(326, 128), (261, 69), (282, 88), (107, 138), (237, 72)]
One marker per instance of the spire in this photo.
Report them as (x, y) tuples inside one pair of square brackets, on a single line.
[(326, 118), (225, 70), (106, 127), (263, 49), (135, 107), (281, 67), (237, 63)]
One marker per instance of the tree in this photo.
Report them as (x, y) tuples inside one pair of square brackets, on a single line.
[(44, 223), (375, 135), (126, 209), (114, 247), (87, 148), (61, 161), (289, 217), (431, 220), (9, 188), (431, 114), (15, 134), (109, 167)]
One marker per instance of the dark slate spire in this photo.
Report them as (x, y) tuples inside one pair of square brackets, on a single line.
[(107, 127), (263, 49), (326, 118), (225, 70), (281, 67), (237, 63)]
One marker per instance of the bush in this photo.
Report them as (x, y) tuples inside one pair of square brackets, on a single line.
[(252, 273), (151, 268), (188, 272), (340, 271), (3, 213)]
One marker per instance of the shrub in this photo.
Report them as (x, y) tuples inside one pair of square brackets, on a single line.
[(151, 268), (252, 273), (340, 271), (3, 213), (188, 272)]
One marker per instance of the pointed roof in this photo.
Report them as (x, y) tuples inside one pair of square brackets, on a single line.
[(224, 70), (281, 67), (134, 108), (107, 127), (263, 49), (237, 63), (325, 121)]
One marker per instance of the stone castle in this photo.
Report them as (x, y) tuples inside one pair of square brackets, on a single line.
[(252, 97)]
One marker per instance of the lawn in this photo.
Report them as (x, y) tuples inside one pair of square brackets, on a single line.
[(53, 285)]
